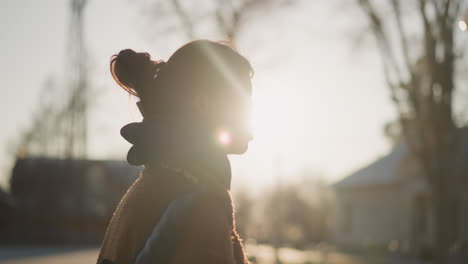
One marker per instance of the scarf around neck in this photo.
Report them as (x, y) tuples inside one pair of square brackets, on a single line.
[(186, 145)]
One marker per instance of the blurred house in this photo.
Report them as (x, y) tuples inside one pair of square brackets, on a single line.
[(7, 211), (387, 203), (63, 201)]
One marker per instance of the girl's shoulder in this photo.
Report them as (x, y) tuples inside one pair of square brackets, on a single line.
[(200, 210)]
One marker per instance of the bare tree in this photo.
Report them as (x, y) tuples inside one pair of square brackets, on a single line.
[(419, 45), (225, 18), (296, 214), (42, 137)]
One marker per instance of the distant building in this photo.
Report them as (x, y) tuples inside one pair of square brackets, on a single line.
[(7, 212), (63, 201), (387, 203)]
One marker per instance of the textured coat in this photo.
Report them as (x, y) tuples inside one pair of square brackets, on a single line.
[(206, 234)]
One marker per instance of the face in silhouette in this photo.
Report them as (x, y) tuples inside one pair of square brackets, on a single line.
[(235, 131), (230, 116)]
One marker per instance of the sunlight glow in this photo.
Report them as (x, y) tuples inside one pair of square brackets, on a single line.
[(278, 118), (462, 25), (225, 70)]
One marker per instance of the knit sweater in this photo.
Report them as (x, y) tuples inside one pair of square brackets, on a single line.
[(203, 233)]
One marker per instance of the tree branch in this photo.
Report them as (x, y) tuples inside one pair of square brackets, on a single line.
[(402, 34), (187, 23), (382, 39)]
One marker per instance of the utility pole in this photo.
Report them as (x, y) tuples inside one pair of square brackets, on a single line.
[(59, 125), (76, 110)]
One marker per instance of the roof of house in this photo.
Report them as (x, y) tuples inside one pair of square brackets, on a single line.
[(384, 170), (31, 168)]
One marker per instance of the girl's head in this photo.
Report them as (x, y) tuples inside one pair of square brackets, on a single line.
[(203, 82)]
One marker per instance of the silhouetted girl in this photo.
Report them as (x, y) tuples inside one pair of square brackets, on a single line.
[(195, 111)]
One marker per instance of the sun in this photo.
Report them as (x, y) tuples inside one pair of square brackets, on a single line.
[(278, 118)]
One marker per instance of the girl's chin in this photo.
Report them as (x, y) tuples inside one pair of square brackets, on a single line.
[(237, 149)]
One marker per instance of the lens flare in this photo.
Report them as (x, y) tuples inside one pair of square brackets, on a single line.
[(462, 25), (224, 137)]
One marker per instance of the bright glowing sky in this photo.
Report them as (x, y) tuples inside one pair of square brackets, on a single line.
[(320, 101)]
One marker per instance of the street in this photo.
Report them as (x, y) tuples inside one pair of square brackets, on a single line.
[(47, 255), (88, 255)]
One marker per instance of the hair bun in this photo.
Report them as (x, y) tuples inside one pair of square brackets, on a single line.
[(126, 55), (132, 70)]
